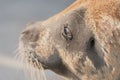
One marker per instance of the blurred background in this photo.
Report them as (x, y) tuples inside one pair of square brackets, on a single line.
[(14, 15)]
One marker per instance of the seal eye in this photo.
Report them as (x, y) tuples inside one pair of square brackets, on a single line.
[(67, 33)]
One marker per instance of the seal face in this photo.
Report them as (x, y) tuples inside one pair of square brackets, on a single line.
[(74, 45)]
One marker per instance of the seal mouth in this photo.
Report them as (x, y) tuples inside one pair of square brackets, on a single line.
[(33, 67), (28, 55), (36, 60)]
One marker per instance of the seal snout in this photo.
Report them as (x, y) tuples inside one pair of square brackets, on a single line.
[(30, 35)]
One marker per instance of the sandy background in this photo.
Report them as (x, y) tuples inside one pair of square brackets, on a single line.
[(14, 14)]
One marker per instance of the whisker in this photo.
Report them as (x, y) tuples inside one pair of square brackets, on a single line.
[(33, 69)]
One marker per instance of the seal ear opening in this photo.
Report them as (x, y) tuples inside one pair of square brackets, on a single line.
[(92, 42), (93, 54)]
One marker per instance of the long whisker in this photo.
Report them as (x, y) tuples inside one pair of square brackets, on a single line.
[(32, 67)]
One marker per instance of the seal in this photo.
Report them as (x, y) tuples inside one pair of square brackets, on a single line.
[(80, 43)]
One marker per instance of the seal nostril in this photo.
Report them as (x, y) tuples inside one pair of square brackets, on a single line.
[(31, 35), (25, 32)]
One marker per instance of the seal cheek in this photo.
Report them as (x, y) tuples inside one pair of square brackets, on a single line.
[(55, 63)]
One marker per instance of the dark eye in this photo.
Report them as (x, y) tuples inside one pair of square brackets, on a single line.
[(67, 34)]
